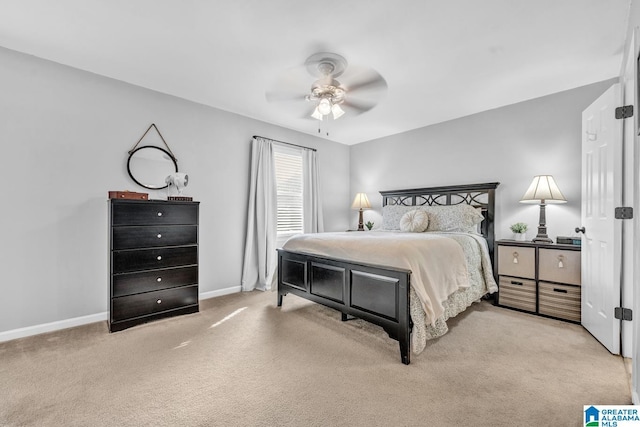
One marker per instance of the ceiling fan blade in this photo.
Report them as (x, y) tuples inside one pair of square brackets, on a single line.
[(284, 97), (358, 107), (365, 80)]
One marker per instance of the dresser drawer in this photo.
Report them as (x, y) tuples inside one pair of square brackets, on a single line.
[(130, 237), (124, 308), (517, 293), (559, 301), (153, 213), (146, 281), (557, 265), (517, 261), (148, 259)]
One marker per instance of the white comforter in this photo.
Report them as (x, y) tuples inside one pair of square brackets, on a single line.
[(437, 263)]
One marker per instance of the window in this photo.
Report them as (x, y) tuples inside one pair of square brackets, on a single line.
[(289, 182)]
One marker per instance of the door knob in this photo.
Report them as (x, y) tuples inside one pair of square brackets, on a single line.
[(580, 230)]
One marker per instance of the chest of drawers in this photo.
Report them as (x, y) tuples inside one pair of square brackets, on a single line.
[(153, 260), (543, 279)]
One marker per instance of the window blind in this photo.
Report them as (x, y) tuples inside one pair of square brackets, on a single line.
[(289, 182)]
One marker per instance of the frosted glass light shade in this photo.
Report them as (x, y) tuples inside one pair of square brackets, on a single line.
[(361, 202), (324, 106), (336, 111), (316, 114), (543, 188)]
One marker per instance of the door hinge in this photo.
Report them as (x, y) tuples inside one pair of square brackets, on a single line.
[(623, 313), (624, 212), (624, 112)]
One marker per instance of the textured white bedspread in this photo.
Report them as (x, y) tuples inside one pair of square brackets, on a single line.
[(437, 263)]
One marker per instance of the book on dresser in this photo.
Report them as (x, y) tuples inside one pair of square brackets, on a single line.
[(543, 279), (153, 260)]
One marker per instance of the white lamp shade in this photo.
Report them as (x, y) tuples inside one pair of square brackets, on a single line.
[(361, 202), (543, 188)]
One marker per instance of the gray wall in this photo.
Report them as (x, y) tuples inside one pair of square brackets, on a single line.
[(65, 134), (509, 145)]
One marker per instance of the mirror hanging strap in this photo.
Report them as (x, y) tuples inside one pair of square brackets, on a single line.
[(153, 125)]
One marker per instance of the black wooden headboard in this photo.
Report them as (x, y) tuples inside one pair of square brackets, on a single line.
[(476, 195)]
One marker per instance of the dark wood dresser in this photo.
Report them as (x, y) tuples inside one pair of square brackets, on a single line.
[(153, 260)]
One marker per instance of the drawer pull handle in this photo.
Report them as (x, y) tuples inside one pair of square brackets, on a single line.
[(159, 235), (515, 257), (159, 279), (159, 301), (513, 282), (560, 261), (159, 258), (562, 291), (159, 213)]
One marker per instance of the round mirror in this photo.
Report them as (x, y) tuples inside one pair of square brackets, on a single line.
[(149, 166)]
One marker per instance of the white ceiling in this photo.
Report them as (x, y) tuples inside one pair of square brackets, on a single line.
[(441, 59)]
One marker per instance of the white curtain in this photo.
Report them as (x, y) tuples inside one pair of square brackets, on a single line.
[(312, 204), (260, 256)]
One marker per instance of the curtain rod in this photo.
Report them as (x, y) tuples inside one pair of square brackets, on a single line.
[(286, 143)]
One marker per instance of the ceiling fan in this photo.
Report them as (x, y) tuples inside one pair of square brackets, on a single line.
[(360, 90)]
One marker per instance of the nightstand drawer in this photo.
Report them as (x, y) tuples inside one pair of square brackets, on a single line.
[(517, 293), (561, 266), (517, 261), (559, 301)]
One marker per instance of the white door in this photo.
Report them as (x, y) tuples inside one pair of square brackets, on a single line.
[(628, 190), (601, 193), (630, 132)]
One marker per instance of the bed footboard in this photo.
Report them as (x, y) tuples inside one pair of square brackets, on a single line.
[(379, 295)]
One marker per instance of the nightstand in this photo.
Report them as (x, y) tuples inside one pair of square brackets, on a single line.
[(539, 278)]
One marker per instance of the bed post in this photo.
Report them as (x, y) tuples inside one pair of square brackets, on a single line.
[(405, 324)]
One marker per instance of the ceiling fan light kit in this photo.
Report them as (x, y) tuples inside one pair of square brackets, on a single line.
[(326, 92), (330, 98)]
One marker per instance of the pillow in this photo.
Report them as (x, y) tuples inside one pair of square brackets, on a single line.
[(415, 221), (463, 217), (391, 215)]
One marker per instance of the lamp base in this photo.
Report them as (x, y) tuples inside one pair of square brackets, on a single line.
[(542, 236), (360, 221)]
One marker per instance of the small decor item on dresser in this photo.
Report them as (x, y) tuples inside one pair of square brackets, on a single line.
[(129, 195), (369, 225), (179, 181), (562, 240), (519, 230)]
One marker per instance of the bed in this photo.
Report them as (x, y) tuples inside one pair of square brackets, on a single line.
[(356, 274)]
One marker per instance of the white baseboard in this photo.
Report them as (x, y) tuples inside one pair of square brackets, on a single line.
[(220, 292), (53, 326), (92, 318)]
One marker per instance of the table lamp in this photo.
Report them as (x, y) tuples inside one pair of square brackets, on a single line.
[(359, 203), (543, 190)]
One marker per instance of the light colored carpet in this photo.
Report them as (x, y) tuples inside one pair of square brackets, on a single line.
[(301, 366)]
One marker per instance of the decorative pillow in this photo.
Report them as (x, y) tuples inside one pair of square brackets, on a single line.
[(415, 221), (463, 217), (391, 215)]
